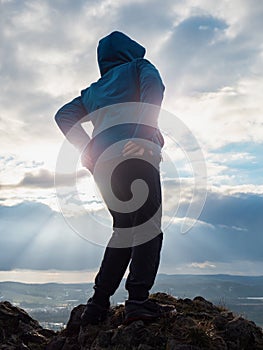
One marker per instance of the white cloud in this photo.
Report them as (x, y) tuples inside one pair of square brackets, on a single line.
[(49, 49), (48, 276), (240, 267), (203, 265), (226, 116)]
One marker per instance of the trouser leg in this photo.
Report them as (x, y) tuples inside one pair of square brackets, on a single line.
[(143, 268), (112, 269), (141, 247), (145, 257)]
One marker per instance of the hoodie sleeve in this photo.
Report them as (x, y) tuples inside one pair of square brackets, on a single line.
[(150, 83), (151, 90), (69, 119)]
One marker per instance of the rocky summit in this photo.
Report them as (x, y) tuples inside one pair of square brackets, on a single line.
[(196, 325)]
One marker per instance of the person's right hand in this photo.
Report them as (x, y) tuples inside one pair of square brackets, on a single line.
[(132, 148)]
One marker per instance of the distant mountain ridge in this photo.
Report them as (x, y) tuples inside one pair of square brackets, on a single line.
[(214, 285), (53, 301)]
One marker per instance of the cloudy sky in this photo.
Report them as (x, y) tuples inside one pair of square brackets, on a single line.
[(210, 56)]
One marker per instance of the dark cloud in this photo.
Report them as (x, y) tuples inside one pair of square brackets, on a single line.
[(240, 210), (43, 178), (231, 231), (35, 237), (199, 56)]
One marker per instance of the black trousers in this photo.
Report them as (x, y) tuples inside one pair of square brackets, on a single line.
[(137, 237)]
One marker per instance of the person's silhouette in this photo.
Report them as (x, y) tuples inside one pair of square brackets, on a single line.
[(126, 77)]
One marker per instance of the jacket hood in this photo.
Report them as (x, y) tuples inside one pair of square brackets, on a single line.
[(115, 49)]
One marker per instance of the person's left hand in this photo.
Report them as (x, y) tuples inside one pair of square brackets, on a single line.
[(132, 148)]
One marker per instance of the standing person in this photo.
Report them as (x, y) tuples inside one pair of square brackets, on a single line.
[(126, 78)]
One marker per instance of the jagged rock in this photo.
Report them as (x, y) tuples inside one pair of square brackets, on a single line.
[(19, 331), (197, 325), (242, 333)]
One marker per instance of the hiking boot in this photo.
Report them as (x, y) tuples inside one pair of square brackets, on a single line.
[(94, 313), (145, 310)]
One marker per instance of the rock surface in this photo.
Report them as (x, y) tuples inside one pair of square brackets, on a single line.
[(197, 325), (19, 331)]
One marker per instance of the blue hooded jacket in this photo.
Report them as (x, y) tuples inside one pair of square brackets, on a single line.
[(126, 77)]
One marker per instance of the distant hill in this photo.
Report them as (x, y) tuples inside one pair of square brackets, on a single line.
[(53, 302), (212, 286)]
